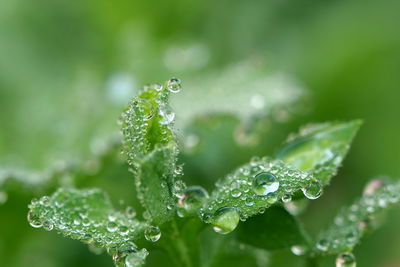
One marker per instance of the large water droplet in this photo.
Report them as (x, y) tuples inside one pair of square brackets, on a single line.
[(225, 220), (174, 85), (112, 226), (146, 107), (179, 188), (167, 115), (313, 190), (191, 200), (34, 220), (346, 260), (265, 183), (152, 233)]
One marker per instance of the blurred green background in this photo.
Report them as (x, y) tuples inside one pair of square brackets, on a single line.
[(67, 68)]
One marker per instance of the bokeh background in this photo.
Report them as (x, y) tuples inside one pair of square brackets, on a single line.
[(67, 68)]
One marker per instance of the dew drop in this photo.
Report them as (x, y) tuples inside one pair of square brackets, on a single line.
[(123, 230), (34, 220), (152, 233), (45, 201), (174, 85), (322, 245), (179, 188), (48, 226), (136, 258), (236, 193), (130, 212), (286, 198), (346, 260), (313, 190), (225, 220), (191, 200), (112, 226), (298, 250), (146, 107), (167, 115), (265, 183)]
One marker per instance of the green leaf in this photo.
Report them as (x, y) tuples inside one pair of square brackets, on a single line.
[(88, 216), (275, 229), (154, 183), (353, 222), (320, 148), (147, 122), (242, 89), (151, 149), (254, 187)]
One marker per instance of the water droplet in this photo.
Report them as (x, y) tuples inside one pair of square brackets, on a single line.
[(34, 220), (313, 190), (299, 250), (179, 188), (346, 260), (112, 226), (146, 107), (286, 198), (167, 115), (45, 201), (136, 259), (249, 202), (323, 245), (225, 220), (130, 212), (265, 183), (174, 85), (123, 230), (373, 186), (236, 192), (152, 233), (48, 226), (191, 200)]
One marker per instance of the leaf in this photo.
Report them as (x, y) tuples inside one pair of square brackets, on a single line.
[(88, 216), (353, 222), (275, 229), (151, 149), (147, 122), (254, 187), (243, 89), (154, 184), (320, 148), (63, 173)]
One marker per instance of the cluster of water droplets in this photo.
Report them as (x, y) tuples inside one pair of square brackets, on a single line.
[(85, 215), (145, 112), (353, 222), (253, 188), (128, 255)]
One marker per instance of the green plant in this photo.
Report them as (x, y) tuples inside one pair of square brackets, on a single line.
[(264, 194)]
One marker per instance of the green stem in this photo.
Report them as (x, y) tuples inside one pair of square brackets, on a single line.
[(180, 246)]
